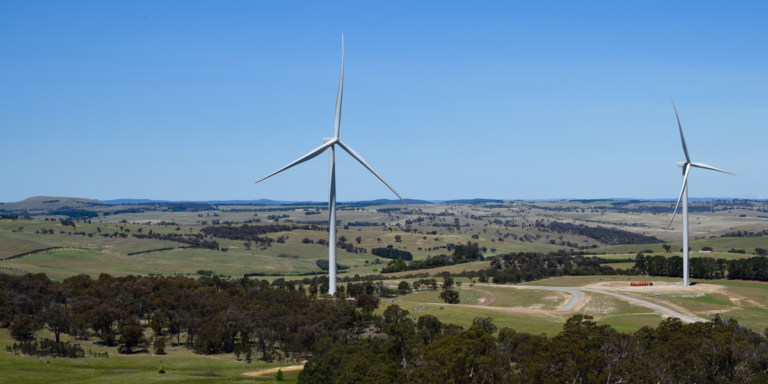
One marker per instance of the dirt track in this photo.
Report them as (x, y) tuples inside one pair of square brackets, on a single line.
[(578, 298)]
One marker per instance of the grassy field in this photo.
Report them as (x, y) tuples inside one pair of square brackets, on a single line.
[(179, 363), (526, 298), (720, 246)]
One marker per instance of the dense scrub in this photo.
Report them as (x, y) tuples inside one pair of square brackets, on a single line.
[(605, 235), (245, 231)]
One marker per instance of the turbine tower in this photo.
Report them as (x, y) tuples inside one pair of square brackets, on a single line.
[(330, 144), (684, 193)]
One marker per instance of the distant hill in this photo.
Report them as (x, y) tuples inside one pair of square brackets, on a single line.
[(50, 202), (259, 201), (388, 202), (472, 201), (268, 202)]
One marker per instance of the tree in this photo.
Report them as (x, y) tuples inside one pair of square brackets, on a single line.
[(366, 302), (403, 287), (450, 296), (398, 238), (640, 263), (447, 282), (131, 336), (399, 328), (24, 327), (279, 376), (429, 327), (58, 319), (248, 354), (247, 244), (666, 247), (358, 239), (158, 322)]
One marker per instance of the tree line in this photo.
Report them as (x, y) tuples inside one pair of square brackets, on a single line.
[(392, 253), (530, 266), (753, 268)]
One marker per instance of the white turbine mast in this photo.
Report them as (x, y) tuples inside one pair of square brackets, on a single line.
[(684, 193), (330, 143)]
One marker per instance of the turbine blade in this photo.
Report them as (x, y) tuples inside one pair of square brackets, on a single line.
[(365, 164), (682, 138), (711, 168), (337, 119), (685, 180), (302, 159)]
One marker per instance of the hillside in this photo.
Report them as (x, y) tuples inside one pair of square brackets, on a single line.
[(40, 203)]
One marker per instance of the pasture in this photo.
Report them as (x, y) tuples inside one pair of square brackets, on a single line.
[(424, 230)]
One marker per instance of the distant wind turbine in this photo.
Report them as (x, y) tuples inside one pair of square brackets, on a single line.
[(330, 143), (684, 192)]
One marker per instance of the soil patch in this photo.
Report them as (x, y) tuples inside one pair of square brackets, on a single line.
[(488, 298), (272, 371)]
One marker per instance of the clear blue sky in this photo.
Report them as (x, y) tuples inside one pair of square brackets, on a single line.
[(186, 100)]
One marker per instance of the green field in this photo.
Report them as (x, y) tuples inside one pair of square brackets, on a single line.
[(178, 362)]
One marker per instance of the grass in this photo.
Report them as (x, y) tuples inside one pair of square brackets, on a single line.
[(631, 323), (720, 246), (528, 298), (178, 364)]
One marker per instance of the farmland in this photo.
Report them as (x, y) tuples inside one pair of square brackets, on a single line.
[(114, 240)]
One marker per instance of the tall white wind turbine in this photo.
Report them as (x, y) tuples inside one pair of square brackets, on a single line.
[(684, 193), (330, 143)]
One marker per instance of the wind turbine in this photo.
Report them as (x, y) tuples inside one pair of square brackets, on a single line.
[(684, 192), (330, 143)]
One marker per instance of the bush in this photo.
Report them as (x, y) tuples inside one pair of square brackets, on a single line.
[(159, 346), (279, 376)]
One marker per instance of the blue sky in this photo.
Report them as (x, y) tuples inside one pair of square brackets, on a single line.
[(198, 100)]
